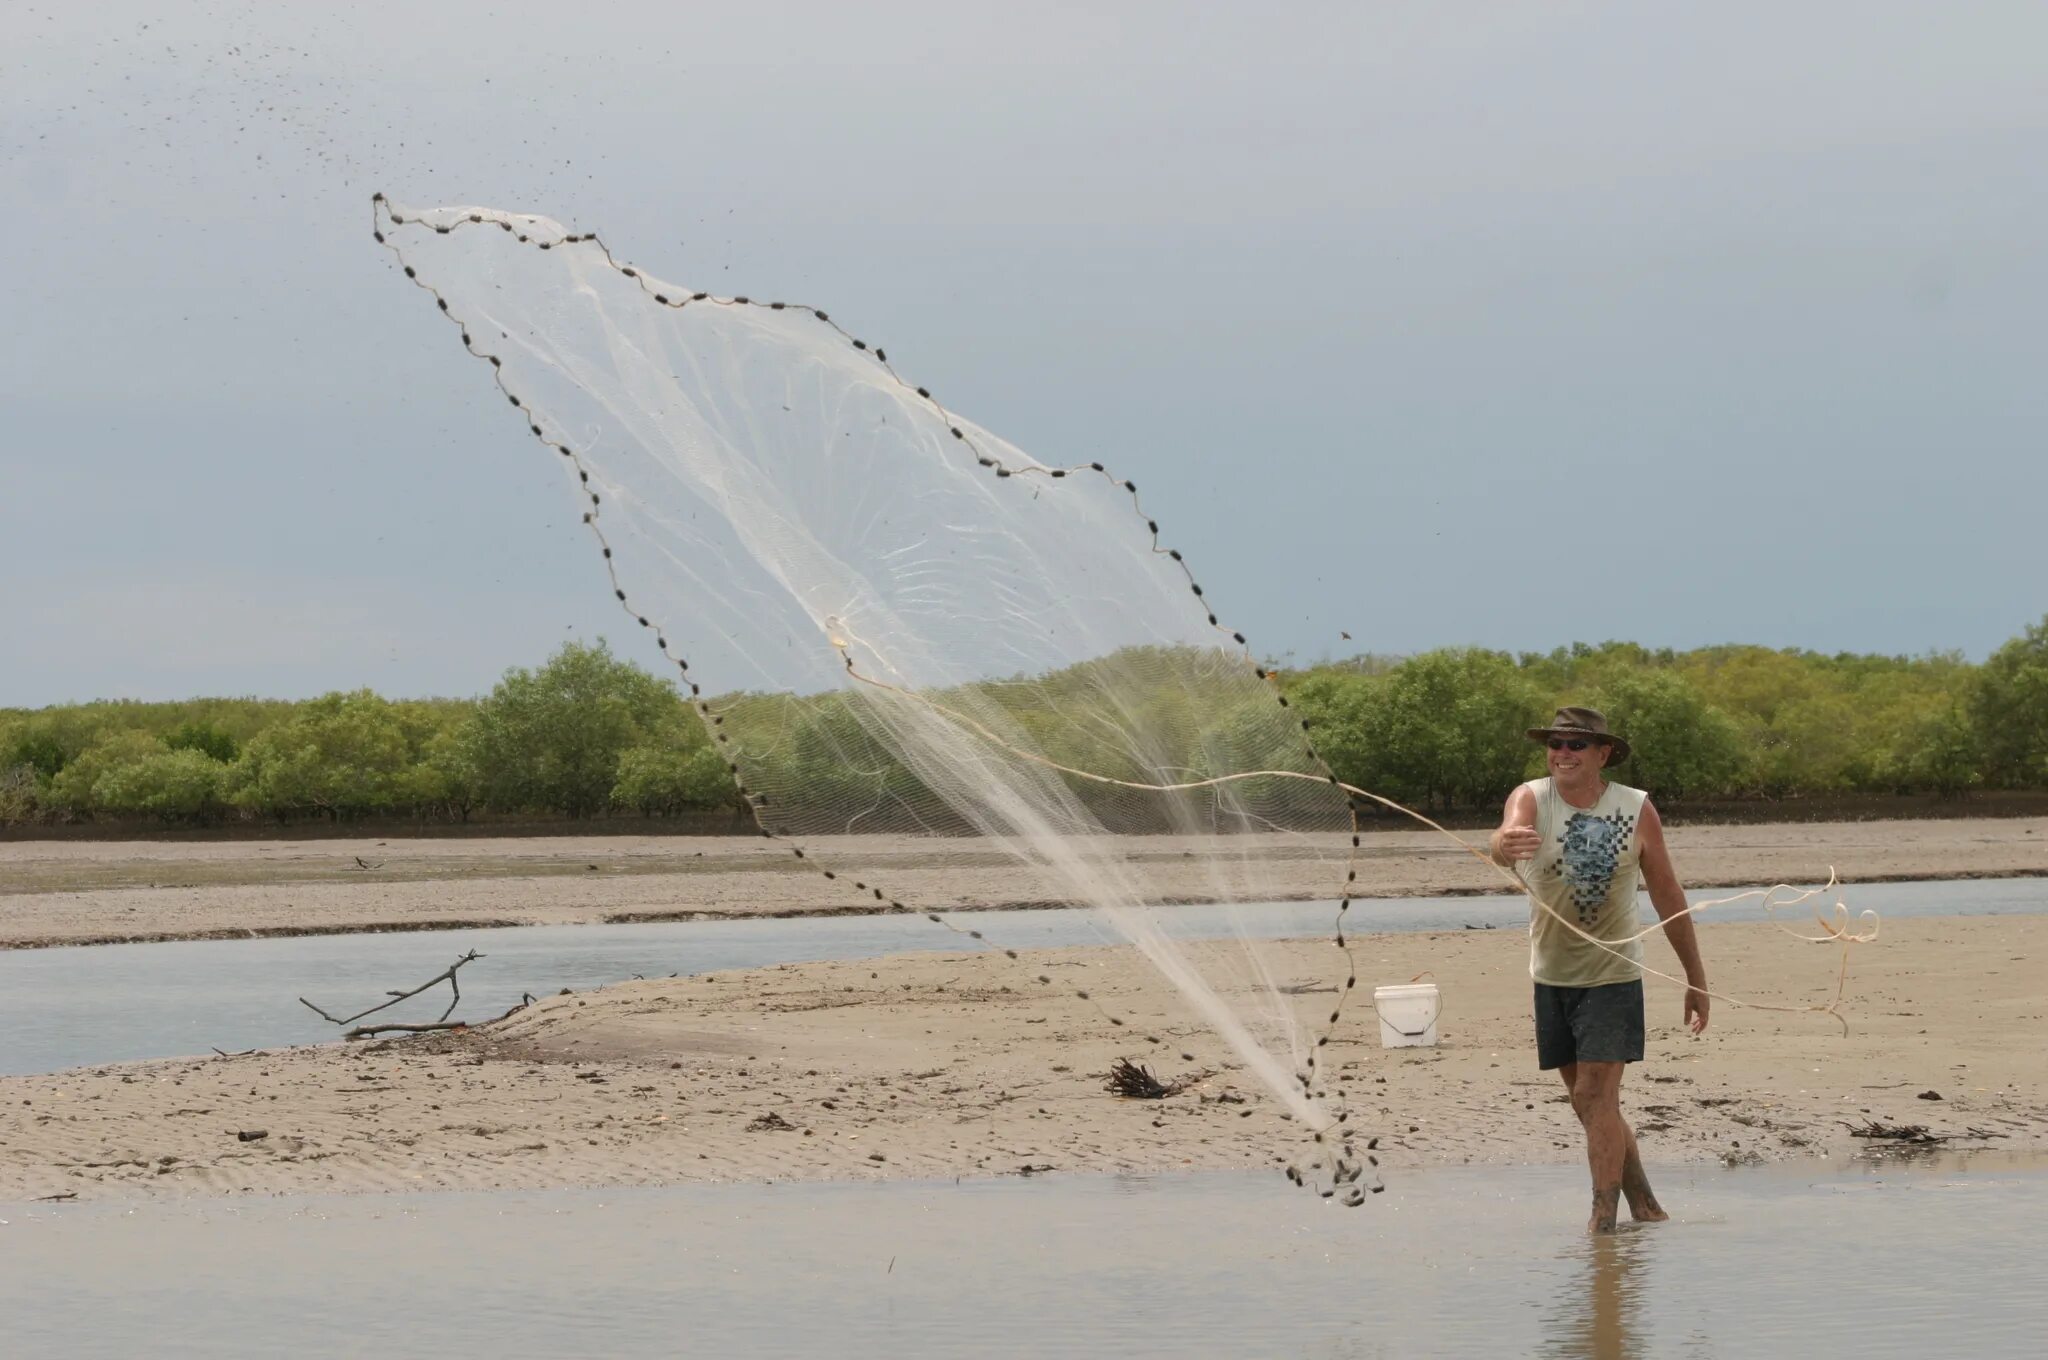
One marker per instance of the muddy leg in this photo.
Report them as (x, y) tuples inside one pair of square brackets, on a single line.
[(1635, 1186), (1596, 1099)]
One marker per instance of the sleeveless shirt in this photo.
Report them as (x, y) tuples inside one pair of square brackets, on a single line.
[(1586, 872)]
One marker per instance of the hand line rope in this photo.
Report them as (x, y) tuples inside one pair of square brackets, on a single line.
[(1836, 931)]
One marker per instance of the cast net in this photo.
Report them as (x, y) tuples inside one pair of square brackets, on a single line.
[(903, 632)]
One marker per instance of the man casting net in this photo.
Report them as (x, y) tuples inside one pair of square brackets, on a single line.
[(900, 629)]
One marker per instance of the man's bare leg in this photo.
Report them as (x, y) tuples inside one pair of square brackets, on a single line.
[(1611, 1153), (1635, 1185)]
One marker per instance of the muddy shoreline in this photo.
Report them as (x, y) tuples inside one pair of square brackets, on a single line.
[(691, 914), (76, 893)]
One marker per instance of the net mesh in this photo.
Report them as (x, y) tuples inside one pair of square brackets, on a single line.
[(913, 643)]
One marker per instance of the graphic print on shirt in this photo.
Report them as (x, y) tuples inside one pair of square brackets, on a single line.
[(1592, 849)]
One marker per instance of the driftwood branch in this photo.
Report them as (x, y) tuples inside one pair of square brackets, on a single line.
[(447, 976), (370, 1031)]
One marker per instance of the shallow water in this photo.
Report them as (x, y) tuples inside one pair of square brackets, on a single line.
[(110, 1003), (1866, 1261)]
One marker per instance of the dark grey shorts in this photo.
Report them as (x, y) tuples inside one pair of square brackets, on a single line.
[(1589, 1024)]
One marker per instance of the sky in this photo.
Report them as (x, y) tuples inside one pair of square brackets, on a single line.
[(1430, 323)]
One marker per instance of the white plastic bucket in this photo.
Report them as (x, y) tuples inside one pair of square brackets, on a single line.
[(1408, 1014)]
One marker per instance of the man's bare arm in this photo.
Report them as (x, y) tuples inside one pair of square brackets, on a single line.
[(1516, 837), (1669, 899)]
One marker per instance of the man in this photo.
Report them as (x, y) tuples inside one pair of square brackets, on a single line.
[(1586, 844)]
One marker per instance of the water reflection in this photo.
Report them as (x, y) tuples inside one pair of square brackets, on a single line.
[(1597, 1312)]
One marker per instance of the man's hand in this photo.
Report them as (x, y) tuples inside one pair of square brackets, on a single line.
[(1517, 837), (1696, 1009), (1516, 842)]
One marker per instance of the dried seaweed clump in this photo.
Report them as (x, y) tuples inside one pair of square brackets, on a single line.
[(1134, 1081)]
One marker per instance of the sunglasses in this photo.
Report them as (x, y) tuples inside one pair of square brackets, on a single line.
[(1569, 743)]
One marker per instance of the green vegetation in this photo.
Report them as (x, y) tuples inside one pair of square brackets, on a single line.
[(588, 735), (1712, 724)]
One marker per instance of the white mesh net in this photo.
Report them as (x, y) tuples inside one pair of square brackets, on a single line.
[(902, 630)]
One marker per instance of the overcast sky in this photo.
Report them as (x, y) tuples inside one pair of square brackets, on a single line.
[(1432, 323)]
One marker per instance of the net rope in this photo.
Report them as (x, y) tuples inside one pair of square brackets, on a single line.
[(911, 652), (1836, 927)]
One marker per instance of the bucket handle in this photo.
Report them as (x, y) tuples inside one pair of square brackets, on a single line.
[(1436, 1011)]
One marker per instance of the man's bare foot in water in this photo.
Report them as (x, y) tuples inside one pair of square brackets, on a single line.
[(1635, 1187), (1605, 1203)]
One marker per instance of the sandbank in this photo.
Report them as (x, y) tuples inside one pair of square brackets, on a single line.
[(962, 1064)]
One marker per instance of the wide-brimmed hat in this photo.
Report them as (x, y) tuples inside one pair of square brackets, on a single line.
[(1582, 722)]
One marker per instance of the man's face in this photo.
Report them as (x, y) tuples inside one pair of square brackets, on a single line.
[(1566, 763)]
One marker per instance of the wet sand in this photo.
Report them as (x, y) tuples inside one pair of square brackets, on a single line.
[(60, 893), (941, 1065)]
